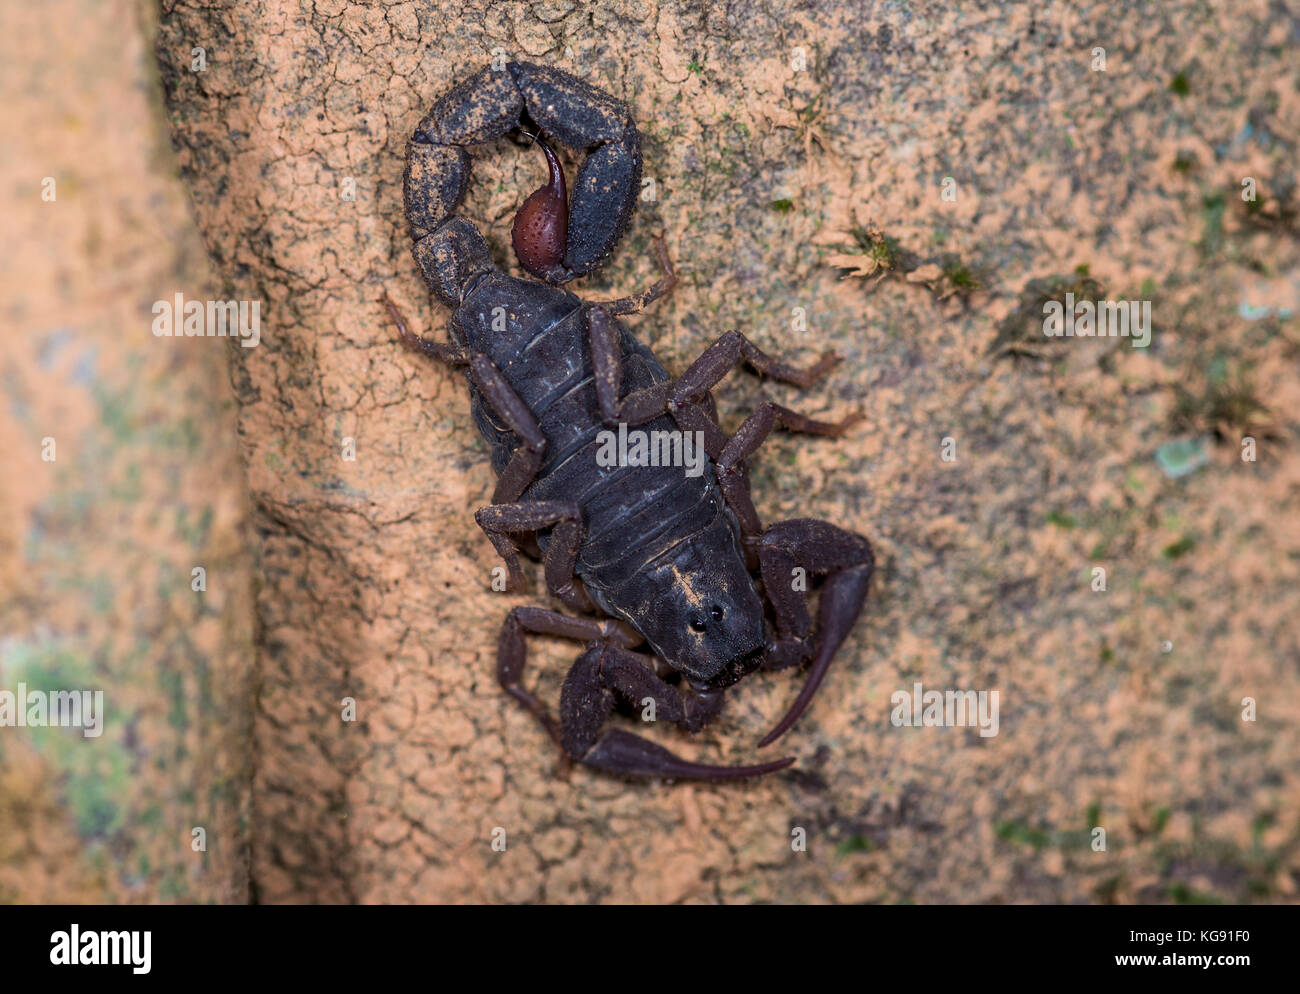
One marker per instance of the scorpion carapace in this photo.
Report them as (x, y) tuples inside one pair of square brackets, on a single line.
[(645, 553)]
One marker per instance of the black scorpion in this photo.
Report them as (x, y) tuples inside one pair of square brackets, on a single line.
[(665, 556)]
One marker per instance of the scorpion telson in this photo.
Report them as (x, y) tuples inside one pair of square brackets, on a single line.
[(643, 555), (542, 223)]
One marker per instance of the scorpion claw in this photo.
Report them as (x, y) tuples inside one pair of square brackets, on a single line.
[(622, 752)]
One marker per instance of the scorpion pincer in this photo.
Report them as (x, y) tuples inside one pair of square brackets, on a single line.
[(646, 556)]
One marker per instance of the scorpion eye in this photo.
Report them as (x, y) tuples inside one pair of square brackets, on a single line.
[(697, 623), (716, 612)]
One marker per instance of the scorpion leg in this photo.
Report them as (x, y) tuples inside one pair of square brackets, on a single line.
[(642, 300), (512, 650), (527, 460), (704, 374), (636, 408), (446, 352), (820, 548), (587, 700), (692, 389), (732, 473), (730, 350), (500, 521)]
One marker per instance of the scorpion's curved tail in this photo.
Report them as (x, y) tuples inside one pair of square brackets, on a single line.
[(449, 249)]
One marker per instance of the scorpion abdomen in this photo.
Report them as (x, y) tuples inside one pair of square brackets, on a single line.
[(537, 336)]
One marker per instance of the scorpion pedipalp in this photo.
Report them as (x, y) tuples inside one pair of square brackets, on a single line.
[(601, 673), (622, 752), (847, 562)]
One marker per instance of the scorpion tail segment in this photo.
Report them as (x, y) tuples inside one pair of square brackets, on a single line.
[(584, 118), (578, 114), (481, 109), (821, 548), (452, 258), (433, 185), (630, 755), (542, 224), (488, 106), (449, 250), (604, 200)]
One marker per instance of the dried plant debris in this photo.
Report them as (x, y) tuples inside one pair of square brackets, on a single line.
[(878, 255), (1021, 332), (949, 277), (1223, 400)]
